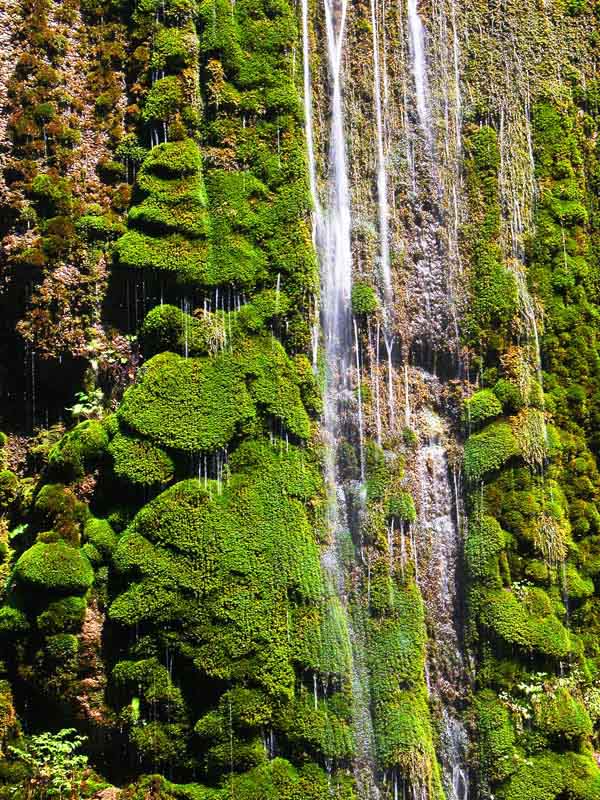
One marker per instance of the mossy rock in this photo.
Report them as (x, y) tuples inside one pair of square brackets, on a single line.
[(13, 622), (188, 258), (487, 451), (57, 507), (481, 406), (56, 568), (364, 300), (62, 616), (79, 451), (140, 462), (495, 736), (188, 404), (559, 714), (485, 542), (101, 535), (9, 489), (530, 623)]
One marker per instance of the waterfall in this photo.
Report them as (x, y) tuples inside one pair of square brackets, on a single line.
[(438, 541), (382, 180), (419, 68), (333, 239)]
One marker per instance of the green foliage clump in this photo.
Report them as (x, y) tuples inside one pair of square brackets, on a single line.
[(529, 623), (55, 766), (62, 616), (79, 451), (57, 568), (483, 405), (188, 404), (489, 450), (495, 736), (484, 544), (364, 300), (139, 461), (100, 534)]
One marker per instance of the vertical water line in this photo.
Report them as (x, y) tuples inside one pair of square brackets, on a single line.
[(382, 181)]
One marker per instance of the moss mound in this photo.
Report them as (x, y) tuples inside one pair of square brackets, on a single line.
[(56, 568)]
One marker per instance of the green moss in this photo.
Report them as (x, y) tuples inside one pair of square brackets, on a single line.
[(483, 405), (559, 714), (9, 489), (57, 507), (174, 49), (13, 622), (242, 552), (173, 253), (489, 450), (529, 623), (550, 776), (496, 737), (56, 567), (79, 451), (64, 615), (364, 300), (163, 101), (100, 534), (402, 507), (139, 462), (484, 544), (188, 404)]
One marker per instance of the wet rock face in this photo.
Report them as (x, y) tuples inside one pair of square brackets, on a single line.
[(298, 373)]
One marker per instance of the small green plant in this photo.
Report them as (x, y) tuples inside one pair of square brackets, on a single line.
[(88, 405), (56, 768)]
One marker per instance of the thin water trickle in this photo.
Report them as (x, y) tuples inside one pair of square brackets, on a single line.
[(419, 68), (382, 178), (439, 542)]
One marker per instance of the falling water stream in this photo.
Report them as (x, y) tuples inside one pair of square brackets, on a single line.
[(340, 418)]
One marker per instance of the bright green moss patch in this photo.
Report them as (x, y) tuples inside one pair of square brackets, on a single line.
[(164, 100), (173, 253), (559, 714), (364, 300), (188, 404), (489, 450), (99, 533), (481, 406), (56, 567), (550, 776), (495, 736), (172, 160), (484, 544), (139, 462), (200, 404), (247, 554), (79, 451), (174, 48), (529, 623)]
